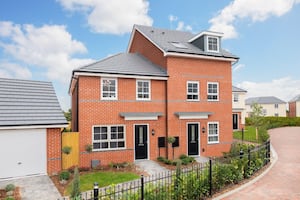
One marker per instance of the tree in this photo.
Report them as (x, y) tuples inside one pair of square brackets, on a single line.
[(256, 116), (68, 115)]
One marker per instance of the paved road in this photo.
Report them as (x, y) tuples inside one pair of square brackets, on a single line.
[(283, 179)]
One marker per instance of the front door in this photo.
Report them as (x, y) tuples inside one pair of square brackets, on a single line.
[(235, 121), (141, 142), (193, 139)]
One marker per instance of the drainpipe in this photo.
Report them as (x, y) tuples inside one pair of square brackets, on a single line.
[(167, 117)]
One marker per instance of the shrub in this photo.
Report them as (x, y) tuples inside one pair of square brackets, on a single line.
[(75, 191), (9, 198), (66, 149), (10, 187), (64, 175)]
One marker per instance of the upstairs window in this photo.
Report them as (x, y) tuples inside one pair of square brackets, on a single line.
[(192, 93), (143, 88), (109, 89), (235, 98), (213, 91), (276, 105), (213, 44)]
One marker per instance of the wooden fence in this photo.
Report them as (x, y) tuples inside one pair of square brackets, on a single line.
[(70, 139)]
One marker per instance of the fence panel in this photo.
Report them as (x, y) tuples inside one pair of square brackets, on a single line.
[(70, 139)]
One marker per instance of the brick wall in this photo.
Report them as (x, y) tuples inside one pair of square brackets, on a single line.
[(292, 109), (94, 111), (53, 150)]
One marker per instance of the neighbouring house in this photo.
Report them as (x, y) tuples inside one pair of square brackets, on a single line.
[(30, 128), (271, 106), (238, 108), (294, 107), (168, 84)]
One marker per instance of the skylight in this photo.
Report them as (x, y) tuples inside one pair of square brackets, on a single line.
[(179, 45)]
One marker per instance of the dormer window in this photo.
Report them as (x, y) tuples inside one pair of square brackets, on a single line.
[(212, 44)]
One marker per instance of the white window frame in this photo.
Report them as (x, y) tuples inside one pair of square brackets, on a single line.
[(215, 94), (137, 92), (116, 89), (213, 135), (235, 97), (109, 139), (218, 45), (192, 93)]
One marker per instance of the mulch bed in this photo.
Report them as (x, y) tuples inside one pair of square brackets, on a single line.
[(16, 194)]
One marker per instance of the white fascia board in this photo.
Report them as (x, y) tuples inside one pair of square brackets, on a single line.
[(199, 56), (132, 36), (120, 76), (140, 118), (33, 127)]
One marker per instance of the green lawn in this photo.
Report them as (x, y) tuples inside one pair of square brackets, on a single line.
[(103, 179), (249, 134)]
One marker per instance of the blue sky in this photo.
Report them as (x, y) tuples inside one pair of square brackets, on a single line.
[(46, 40)]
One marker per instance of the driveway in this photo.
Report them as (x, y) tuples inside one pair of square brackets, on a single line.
[(34, 188), (283, 179)]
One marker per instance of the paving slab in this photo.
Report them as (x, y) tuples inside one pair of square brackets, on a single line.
[(34, 187), (149, 166)]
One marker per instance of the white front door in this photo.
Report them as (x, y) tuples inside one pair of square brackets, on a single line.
[(23, 152)]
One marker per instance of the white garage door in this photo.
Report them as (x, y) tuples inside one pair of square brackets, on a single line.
[(22, 152)]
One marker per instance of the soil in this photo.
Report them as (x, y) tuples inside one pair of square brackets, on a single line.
[(63, 186), (16, 194)]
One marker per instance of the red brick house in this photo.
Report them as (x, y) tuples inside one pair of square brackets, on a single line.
[(294, 106), (168, 84)]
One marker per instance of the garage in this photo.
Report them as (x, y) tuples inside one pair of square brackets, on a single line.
[(23, 152), (31, 121)]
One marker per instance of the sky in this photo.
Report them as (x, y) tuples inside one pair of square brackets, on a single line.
[(46, 40)]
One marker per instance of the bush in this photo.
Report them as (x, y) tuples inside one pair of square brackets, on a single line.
[(10, 187), (75, 191), (66, 150), (64, 175)]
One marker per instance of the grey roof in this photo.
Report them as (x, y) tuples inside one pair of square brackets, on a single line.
[(29, 103), (264, 100), (236, 89), (164, 38), (296, 98), (125, 63)]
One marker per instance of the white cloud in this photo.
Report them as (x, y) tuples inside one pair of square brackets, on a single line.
[(49, 46), (284, 88), (182, 27), (256, 10), (173, 18), (13, 70), (113, 16)]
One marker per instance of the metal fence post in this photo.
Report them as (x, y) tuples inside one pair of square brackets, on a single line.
[(142, 187), (249, 157), (96, 191), (210, 177), (241, 153)]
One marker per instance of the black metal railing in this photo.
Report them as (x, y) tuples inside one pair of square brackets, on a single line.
[(198, 181)]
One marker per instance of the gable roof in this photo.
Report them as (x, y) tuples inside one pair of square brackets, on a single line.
[(236, 89), (125, 64), (29, 103), (264, 100), (296, 98), (163, 39)]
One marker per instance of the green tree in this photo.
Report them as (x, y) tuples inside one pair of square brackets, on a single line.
[(68, 115), (256, 117)]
